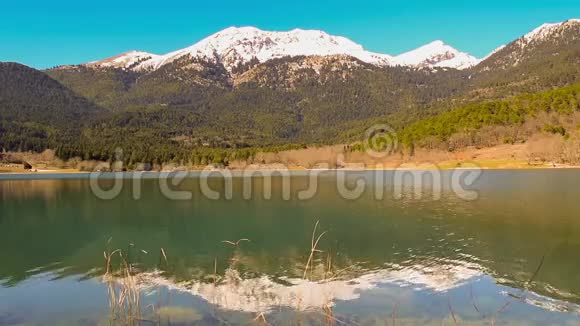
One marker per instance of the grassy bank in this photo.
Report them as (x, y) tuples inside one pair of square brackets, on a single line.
[(540, 151)]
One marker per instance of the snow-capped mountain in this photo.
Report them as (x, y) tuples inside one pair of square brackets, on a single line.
[(547, 31), (234, 46), (125, 60), (238, 45), (545, 41), (436, 54)]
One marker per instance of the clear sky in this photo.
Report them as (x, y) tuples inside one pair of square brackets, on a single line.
[(45, 33)]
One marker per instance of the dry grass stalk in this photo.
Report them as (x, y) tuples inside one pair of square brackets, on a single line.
[(328, 315), (473, 301), (451, 311), (520, 297), (330, 318), (235, 244), (328, 270), (494, 317), (108, 257), (164, 256), (394, 313), (536, 272), (123, 290), (261, 318), (313, 249)]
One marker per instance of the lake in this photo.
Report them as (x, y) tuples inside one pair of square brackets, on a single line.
[(505, 251)]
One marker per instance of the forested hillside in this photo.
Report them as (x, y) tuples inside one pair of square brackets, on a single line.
[(468, 126), (37, 112), (219, 124), (285, 103)]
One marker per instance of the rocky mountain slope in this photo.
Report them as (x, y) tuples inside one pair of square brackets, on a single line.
[(547, 57), (546, 39)]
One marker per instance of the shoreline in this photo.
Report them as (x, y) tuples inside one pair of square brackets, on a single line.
[(443, 166), (328, 158)]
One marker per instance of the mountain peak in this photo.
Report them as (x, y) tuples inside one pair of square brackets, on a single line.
[(235, 46), (236, 29), (547, 38), (124, 60), (238, 45), (436, 43), (436, 54), (547, 30)]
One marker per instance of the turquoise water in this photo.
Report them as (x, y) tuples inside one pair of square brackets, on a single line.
[(509, 256)]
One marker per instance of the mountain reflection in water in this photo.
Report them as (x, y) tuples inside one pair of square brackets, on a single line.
[(52, 231)]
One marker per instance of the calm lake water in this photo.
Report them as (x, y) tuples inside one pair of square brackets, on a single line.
[(509, 257)]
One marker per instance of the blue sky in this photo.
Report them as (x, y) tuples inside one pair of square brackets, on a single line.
[(43, 33)]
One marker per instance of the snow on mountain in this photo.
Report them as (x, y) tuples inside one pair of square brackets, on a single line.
[(234, 46), (238, 45), (436, 54), (548, 30), (499, 48), (124, 60), (544, 37)]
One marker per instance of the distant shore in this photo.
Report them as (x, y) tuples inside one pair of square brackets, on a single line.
[(41, 171), (331, 158), (447, 165)]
